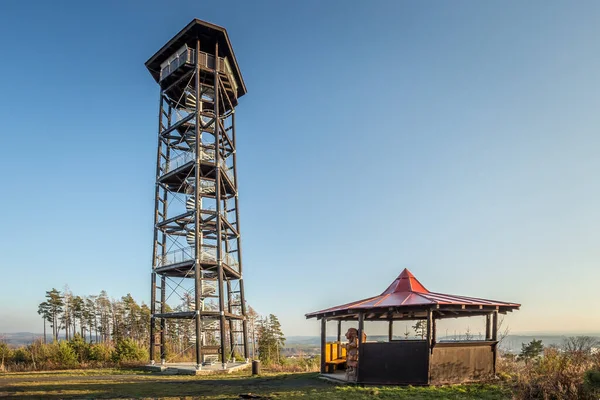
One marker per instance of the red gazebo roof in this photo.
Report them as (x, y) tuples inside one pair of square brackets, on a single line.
[(406, 293)]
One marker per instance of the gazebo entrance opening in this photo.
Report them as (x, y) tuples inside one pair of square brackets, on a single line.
[(415, 362)]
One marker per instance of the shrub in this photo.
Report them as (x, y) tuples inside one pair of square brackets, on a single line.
[(65, 356), (43, 356), (80, 347), (312, 364), (5, 355), (557, 375), (129, 350), (238, 357), (100, 352), (21, 356), (591, 381), (42, 353), (300, 364)]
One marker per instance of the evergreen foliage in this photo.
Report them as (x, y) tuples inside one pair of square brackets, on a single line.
[(65, 355), (531, 350), (420, 328), (270, 340), (128, 350)]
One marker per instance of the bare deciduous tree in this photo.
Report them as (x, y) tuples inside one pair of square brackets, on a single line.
[(580, 344)]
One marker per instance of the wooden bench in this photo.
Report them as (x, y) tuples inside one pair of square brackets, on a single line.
[(335, 356)]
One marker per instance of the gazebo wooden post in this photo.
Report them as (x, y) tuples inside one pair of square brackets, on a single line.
[(391, 330), (429, 342), (495, 325), (488, 327), (323, 343), (339, 338), (495, 338), (361, 328)]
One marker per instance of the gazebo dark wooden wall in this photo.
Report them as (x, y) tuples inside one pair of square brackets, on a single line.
[(417, 362)]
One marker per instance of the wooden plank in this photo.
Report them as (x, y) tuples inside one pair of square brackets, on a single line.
[(323, 344), (461, 362)]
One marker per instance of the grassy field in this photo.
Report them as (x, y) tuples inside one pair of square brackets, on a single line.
[(138, 384)]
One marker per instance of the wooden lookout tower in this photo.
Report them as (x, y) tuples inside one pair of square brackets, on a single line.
[(416, 362), (197, 257)]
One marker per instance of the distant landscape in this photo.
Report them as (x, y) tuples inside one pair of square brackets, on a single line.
[(510, 344), (309, 345)]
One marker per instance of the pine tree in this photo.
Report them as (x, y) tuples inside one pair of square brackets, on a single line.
[(277, 335), (91, 316), (144, 322), (131, 311), (420, 328), (118, 320), (55, 304), (264, 340), (78, 306), (67, 317), (270, 340), (531, 350), (103, 310), (44, 309)]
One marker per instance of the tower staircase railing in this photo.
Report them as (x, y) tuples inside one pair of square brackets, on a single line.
[(187, 56), (187, 254), (207, 155)]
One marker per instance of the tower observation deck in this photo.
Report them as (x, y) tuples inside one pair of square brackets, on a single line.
[(197, 255)]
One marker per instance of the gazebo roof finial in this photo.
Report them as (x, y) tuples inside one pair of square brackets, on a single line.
[(406, 282)]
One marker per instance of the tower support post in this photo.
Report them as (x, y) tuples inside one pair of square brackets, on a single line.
[(197, 216)]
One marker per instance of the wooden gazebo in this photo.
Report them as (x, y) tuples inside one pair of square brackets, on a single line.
[(416, 362)]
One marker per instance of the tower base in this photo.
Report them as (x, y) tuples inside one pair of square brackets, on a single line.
[(189, 368)]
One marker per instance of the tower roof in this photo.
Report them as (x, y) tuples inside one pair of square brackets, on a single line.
[(209, 34), (406, 294)]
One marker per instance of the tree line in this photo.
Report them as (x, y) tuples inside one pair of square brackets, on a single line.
[(101, 319), (96, 318)]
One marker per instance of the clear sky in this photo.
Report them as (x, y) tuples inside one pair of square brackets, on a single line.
[(458, 139)]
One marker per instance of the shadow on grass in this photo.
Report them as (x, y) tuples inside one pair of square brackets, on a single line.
[(159, 386)]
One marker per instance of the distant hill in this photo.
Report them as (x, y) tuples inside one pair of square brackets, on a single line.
[(512, 343), (16, 339)]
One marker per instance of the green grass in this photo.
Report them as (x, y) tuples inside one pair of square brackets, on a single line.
[(76, 372), (138, 384)]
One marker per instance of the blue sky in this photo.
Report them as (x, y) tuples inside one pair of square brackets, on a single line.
[(458, 139)]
